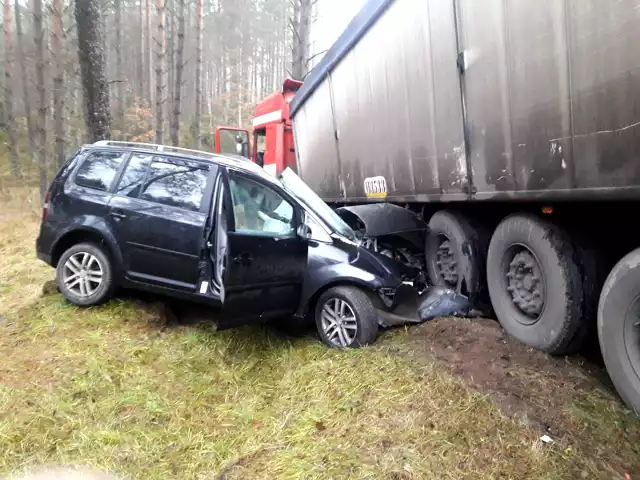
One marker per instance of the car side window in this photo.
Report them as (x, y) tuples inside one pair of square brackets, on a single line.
[(132, 179), (258, 209), (176, 183), (99, 170)]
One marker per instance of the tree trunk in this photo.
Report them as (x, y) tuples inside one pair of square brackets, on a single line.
[(170, 19), (73, 111), (160, 70), (41, 132), (301, 25), (295, 39), (8, 89), (141, 55), (57, 42), (119, 74), (147, 54), (179, 68), (92, 69), (198, 88), (26, 98)]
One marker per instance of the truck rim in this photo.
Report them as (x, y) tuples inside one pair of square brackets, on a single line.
[(632, 335), (524, 283), (446, 264), (339, 322)]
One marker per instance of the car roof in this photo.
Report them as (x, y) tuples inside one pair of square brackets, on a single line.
[(235, 162)]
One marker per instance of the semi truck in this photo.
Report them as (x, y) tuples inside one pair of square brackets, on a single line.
[(513, 129)]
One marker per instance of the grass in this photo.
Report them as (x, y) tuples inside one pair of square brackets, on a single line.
[(118, 388)]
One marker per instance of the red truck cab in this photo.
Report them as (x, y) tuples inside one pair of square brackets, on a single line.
[(273, 143), (273, 132)]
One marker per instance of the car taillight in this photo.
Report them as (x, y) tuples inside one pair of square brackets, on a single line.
[(45, 207)]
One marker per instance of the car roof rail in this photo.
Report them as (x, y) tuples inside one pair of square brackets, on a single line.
[(154, 146)]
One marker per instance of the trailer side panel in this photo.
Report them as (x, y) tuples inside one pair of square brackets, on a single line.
[(545, 104)]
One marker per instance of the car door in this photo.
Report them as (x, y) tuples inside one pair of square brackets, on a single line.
[(158, 212), (259, 257)]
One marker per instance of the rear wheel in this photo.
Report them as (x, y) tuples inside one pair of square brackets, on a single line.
[(535, 283), (346, 318), (84, 275), (619, 328)]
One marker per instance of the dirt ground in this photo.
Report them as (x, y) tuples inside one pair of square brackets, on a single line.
[(553, 394), (482, 353)]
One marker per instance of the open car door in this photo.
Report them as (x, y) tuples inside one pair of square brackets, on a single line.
[(257, 256), (232, 141)]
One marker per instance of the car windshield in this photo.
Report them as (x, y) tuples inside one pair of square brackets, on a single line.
[(294, 185)]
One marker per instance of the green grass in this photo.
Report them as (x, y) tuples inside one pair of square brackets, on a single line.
[(116, 388)]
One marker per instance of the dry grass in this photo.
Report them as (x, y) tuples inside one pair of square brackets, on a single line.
[(115, 388)]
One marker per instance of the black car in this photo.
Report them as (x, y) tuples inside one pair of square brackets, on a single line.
[(211, 229)]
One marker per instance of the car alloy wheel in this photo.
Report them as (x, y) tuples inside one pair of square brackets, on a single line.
[(82, 274), (339, 322)]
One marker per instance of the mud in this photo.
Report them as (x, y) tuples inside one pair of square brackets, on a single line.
[(525, 383)]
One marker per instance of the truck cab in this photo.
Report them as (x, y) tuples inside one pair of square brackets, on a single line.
[(272, 136)]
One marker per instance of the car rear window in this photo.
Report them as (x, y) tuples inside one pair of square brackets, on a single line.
[(175, 183), (99, 169)]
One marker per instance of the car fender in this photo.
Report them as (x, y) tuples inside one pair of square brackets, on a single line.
[(91, 225), (332, 275), (343, 264)]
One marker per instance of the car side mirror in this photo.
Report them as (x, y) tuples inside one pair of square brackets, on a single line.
[(304, 230)]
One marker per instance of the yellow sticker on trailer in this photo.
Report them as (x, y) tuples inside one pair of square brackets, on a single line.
[(375, 187)]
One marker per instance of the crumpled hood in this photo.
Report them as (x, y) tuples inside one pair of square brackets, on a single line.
[(381, 219)]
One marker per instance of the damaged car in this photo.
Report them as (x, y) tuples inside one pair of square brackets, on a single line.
[(221, 231)]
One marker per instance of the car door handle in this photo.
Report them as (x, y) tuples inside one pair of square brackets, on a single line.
[(118, 215), (243, 259)]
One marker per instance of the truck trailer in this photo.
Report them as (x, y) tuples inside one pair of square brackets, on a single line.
[(513, 129)]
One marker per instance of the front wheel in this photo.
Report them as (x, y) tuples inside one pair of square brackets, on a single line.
[(619, 328), (84, 275), (346, 318), (456, 251)]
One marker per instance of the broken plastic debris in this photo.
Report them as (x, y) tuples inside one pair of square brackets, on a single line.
[(443, 302), (546, 439)]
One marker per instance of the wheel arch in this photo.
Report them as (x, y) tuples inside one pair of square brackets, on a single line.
[(310, 304), (82, 234)]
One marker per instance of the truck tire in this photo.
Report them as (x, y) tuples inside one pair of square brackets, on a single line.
[(619, 328), (593, 276), (455, 253), (535, 283), (346, 318)]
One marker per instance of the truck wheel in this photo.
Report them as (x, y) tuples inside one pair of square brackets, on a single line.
[(346, 318), (535, 283), (455, 254), (593, 276), (84, 275), (619, 328)]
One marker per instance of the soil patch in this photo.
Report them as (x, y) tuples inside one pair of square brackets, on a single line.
[(524, 382), (570, 399)]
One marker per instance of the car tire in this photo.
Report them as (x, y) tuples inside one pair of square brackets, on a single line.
[(462, 247), (535, 283), (358, 324), (93, 287), (619, 328)]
